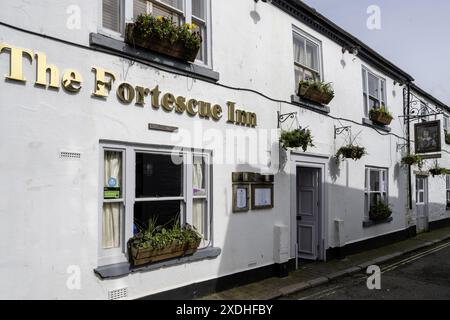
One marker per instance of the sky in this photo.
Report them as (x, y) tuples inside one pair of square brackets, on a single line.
[(413, 34)]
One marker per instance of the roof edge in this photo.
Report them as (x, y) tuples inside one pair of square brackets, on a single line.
[(308, 15)]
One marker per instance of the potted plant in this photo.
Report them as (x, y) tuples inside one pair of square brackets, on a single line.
[(381, 116), (412, 159), (157, 243), (437, 171), (162, 35), (296, 138), (316, 91), (350, 152), (379, 211)]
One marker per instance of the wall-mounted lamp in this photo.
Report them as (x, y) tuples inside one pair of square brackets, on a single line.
[(354, 50)]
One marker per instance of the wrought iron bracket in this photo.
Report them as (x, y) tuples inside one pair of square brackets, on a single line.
[(401, 146), (283, 117), (340, 130)]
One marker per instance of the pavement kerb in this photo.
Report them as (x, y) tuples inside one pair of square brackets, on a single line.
[(301, 286)]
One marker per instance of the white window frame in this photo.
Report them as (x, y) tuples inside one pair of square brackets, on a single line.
[(384, 187), (420, 190), (446, 123), (118, 255), (366, 85), (127, 16), (318, 43)]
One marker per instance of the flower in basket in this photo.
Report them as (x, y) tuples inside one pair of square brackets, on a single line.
[(437, 171), (379, 211), (350, 152), (315, 90), (296, 138), (156, 243), (412, 159), (381, 115), (162, 35)]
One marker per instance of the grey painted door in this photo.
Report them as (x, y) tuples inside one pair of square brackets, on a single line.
[(422, 204), (308, 208)]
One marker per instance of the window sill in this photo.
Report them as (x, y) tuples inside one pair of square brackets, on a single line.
[(370, 123), (370, 223), (123, 269), (310, 105), (167, 63)]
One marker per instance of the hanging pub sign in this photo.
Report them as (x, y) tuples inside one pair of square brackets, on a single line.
[(427, 136)]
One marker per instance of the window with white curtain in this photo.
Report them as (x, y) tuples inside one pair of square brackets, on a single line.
[(307, 58), (113, 199), (161, 186), (376, 188), (116, 12), (374, 91), (446, 124)]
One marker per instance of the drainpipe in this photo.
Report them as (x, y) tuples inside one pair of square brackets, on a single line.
[(408, 136)]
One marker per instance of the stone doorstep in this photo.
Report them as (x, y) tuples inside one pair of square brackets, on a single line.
[(301, 286)]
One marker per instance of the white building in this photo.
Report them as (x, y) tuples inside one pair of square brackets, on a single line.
[(80, 106)]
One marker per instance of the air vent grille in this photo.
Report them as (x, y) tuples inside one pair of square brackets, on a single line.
[(118, 294), (70, 155)]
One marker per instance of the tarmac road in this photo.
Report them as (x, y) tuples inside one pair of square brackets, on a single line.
[(424, 275)]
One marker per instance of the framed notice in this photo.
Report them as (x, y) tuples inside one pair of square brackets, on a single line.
[(427, 137), (262, 196), (241, 196)]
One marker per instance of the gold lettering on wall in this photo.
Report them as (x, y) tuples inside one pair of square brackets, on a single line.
[(16, 61), (103, 82), (42, 68), (71, 80)]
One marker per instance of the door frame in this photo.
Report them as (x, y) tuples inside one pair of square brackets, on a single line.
[(426, 204), (313, 161)]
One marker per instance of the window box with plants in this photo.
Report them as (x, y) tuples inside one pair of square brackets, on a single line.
[(438, 171), (158, 243), (162, 35), (296, 138), (380, 116), (379, 211), (316, 91)]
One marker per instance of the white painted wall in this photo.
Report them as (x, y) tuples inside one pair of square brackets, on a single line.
[(49, 212)]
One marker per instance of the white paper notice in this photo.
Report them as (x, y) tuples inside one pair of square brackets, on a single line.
[(241, 198), (263, 197)]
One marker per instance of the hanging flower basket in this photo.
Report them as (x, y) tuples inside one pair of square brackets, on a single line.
[(296, 138), (412, 159), (438, 171), (381, 116), (149, 246), (161, 35), (379, 211), (316, 91), (350, 152)]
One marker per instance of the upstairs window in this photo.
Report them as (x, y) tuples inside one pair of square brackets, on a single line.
[(115, 13), (307, 58), (446, 124), (448, 190), (374, 91)]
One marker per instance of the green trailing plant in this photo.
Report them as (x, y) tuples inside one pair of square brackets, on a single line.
[(383, 111), (438, 171), (320, 86), (297, 138), (412, 159), (379, 211), (157, 237), (148, 27), (350, 152)]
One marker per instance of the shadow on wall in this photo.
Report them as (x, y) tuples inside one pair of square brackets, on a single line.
[(249, 237)]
